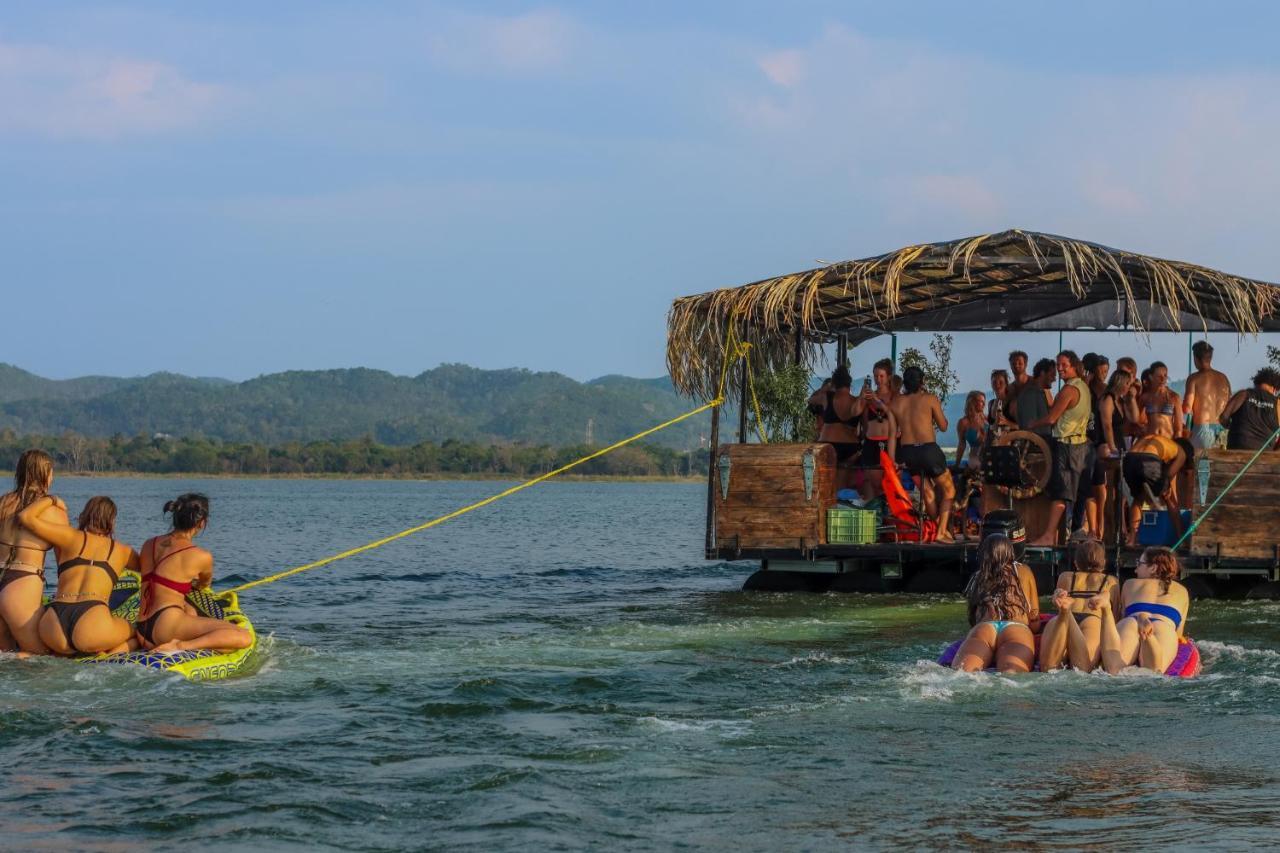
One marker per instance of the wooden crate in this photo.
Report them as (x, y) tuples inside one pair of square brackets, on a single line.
[(773, 495), (1247, 521)]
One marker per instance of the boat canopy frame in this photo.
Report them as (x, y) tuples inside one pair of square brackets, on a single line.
[(1015, 280)]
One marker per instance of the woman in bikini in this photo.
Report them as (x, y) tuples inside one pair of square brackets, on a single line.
[(971, 431), (879, 428), (1075, 634), (1161, 406), (171, 566), (1155, 612), (22, 555), (838, 411), (79, 619), (1004, 610)]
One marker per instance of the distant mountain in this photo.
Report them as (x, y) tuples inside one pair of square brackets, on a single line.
[(452, 401)]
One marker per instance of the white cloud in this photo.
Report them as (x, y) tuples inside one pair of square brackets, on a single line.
[(953, 140), (52, 92), (536, 42), (783, 67)]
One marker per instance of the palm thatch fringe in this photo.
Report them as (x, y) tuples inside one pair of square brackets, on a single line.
[(930, 286)]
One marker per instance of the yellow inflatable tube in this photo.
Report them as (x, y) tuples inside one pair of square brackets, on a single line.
[(194, 666)]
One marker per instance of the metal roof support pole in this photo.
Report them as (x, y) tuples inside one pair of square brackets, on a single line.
[(893, 352), (842, 350), (1055, 358), (742, 401)]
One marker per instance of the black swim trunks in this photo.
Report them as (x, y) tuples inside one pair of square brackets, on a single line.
[(1071, 464), (845, 450), (871, 447), (927, 460), (1144, 469)]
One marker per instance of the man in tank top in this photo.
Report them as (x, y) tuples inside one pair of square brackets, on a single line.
[(1072, 452), (1251, 415)]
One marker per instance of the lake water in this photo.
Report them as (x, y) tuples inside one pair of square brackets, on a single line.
[(563, 670)]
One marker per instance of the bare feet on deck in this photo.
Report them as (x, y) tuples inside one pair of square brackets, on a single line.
[(1100, 603), (1144, 625), (1061, 600)]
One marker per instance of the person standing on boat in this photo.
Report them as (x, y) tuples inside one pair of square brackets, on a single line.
[(1018, 362), (1004, 611), (971, 431), (1207, 393), (998, 408), (1032, 404), (920, 415), (879, 427), (1251, 415), (90, 560), (22, 555), (838, 410), (171, 566), (1116, 410), (1154, 614), (1072, 452), (1161, 406)]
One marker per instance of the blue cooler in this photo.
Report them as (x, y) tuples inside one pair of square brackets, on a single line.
[(1154, 529)]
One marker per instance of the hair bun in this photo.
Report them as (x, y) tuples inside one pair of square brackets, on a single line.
[(170, 506)]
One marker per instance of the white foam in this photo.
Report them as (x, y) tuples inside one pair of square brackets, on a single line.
[(724, 728), (1237, 652), (814, 658), (927, 681)]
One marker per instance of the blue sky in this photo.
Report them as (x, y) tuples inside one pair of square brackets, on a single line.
[(239, 188)]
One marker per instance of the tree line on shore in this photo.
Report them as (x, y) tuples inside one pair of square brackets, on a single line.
[(162, 454)]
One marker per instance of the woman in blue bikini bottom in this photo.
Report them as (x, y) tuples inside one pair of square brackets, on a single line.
[(1004, 611), (1155, 611)]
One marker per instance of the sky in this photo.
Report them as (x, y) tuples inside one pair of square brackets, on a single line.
[(238, 188)]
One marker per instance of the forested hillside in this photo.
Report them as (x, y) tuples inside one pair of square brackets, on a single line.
[(449, 402)]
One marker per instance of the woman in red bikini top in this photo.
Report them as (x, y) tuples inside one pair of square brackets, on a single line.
[(171, 566)]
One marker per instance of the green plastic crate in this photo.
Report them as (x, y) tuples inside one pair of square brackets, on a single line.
[(851, 526)]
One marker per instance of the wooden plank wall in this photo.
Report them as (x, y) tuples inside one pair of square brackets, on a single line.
[(766, 506), (1247, 521)]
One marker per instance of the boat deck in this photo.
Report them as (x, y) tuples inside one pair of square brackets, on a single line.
[(937, 567)]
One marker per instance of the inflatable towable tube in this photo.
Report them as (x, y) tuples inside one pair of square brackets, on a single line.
[(1185, 664), (204, 665)]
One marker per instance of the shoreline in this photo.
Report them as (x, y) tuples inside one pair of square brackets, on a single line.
[(442, 477)]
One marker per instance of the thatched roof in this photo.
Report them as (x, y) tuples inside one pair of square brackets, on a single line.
[(1015, 280)]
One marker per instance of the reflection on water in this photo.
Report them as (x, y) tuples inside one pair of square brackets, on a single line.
[(566, 671)]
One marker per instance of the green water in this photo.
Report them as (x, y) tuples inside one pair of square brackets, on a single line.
[(566, 672)]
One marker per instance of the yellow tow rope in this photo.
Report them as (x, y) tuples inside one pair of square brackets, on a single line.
[(734, 349)]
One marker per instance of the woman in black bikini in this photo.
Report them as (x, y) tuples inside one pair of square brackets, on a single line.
[(22, 555), (171, 566), (838, 411), (79, 619), (1075, 634)]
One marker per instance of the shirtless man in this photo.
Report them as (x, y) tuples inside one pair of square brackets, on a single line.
[(1018, 366), (1208, 391), (919, 415)]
